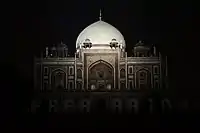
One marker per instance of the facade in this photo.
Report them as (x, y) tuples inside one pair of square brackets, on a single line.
[(99, 74)]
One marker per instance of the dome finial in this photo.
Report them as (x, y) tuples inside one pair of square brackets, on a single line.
[(100, 15)]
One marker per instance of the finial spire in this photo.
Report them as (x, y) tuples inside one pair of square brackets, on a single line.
[(100, 15)]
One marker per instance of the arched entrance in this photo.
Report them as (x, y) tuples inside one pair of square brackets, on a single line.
[(143, 79), (100, 76), (58, 80)]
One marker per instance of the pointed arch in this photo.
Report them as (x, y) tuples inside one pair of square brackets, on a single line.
[(100, 61), (143, 68), (79, 73), (143, 80), (58, 79), (100, 75), (58, 69), (122, 73)]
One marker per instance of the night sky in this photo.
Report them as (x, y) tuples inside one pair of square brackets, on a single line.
[(170, 25)]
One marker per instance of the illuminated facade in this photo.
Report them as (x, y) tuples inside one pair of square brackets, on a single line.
[(100, 69)]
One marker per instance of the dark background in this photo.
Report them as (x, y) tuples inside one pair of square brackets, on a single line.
[(170, 25)]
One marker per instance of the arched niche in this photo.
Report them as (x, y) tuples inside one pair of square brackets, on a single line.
[(100, 76), (143, 79), (58, 79), (122, 73), (79, 73)]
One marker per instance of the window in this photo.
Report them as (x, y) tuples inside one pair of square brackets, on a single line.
[(45, 70), (130, 70), (71, 71)]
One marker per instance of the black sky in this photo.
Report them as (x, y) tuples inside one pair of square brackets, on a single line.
[(170, 25)]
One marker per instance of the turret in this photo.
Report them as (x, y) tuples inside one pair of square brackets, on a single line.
[(53, 51), (154, 50), (114, 43), (87, 43), (47, 52), (62, 50), (66, 51), (141, 50)]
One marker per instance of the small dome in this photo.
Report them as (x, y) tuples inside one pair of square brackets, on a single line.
[(100, 35), (140, 46), (140, 43), (62, 45)]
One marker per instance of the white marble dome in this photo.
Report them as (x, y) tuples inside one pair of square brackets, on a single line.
[(100, 35)]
